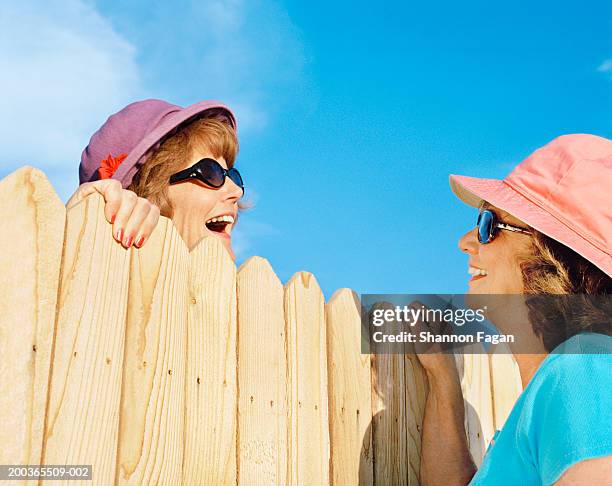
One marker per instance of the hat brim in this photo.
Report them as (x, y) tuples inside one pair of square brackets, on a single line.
[(473, 191), (172, 120)]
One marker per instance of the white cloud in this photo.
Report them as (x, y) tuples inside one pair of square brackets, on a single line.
[(606, 66), (243, 52), (68, 64), (64, 71)]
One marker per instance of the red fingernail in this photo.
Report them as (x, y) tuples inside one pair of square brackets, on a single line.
[(113, 218), (128, 243), (140, 241), (119, 234)]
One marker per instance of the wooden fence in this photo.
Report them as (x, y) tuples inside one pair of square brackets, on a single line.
[(166, 366)]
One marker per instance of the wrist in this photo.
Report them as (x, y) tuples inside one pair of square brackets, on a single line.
[(444, 380)]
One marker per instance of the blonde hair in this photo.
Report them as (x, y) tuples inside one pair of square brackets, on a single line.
[(212, 132)]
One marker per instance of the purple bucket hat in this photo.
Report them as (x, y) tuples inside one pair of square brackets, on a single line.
[(136, 131)]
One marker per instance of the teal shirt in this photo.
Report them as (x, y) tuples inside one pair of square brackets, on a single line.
[(563, 416)]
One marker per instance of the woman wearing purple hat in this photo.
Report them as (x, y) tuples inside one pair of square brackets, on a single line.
[(544, 230), (155, 158)]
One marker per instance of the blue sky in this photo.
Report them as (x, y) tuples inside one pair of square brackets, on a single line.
[(351, 114)]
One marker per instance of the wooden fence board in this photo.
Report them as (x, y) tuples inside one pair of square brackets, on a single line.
[(505, 383), (30, 257), (389, 427), (152, 420), (210, 415), (476, 388), (262, 376), (83, 411), (416, 396), (309, 459), (350, 395)]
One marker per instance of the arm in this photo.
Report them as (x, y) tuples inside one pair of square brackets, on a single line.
[(445, 456), (133, 218), (586, 473)]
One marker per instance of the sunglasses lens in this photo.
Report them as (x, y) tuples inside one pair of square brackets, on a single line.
[(484, 224), (234, 175), (211, 172)]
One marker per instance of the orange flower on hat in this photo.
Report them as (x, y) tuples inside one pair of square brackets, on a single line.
[(109, 165)]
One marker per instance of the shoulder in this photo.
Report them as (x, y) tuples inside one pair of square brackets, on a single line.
[(563, 420), (580, 363)]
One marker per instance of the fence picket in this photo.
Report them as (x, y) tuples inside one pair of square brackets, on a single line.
[(210, 415), (262, 376), (83, 411), (309, 458), (350, 396), (33, 221), (505, 382), (476, 387), (151, 424)]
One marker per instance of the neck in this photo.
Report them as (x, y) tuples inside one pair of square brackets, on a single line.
[(528, 364)]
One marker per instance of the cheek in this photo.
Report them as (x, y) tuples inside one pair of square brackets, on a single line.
[(190, 198), (502, 262)]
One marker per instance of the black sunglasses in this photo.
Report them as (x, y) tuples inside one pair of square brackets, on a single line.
[(210, 172), (489, 225)]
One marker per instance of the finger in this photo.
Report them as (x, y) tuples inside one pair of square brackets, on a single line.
[(122, 216), (112, 191), (147, 226), (82, 191), (137, 217)]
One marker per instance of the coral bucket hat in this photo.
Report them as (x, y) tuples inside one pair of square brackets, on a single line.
[(563, 190)]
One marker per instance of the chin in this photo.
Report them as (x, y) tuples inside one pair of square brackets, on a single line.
[(476, 286)]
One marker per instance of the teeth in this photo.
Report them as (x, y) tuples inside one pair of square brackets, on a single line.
[(222, 219), (476, 271)]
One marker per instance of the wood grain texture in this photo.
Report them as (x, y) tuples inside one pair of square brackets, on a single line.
[(350, 394), (152, 415), (390, 438), (262, 376), (473, 366), (211, 383), (85, 388), (30, 257), (416, 397), (309, 456)]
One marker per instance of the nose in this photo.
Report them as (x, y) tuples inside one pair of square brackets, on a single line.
[(232, 191), (468, 243)]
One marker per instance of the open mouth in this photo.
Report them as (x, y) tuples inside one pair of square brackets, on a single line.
[(476, 273), (221, 225)]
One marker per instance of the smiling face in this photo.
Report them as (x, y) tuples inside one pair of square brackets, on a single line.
[(196, 209), (200, 210), (495, 266)]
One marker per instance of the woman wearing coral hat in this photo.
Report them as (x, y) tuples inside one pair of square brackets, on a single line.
[(153, 157), (546, 229)]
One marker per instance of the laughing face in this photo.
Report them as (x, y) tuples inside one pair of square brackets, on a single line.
[(495, 267), (201, 210)]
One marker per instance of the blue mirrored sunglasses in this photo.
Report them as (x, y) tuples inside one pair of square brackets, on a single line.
[(488, 226)]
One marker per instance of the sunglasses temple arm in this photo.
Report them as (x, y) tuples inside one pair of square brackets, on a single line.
[(182, 175)]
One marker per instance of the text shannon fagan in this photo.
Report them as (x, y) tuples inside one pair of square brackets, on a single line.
[(428, 337)]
